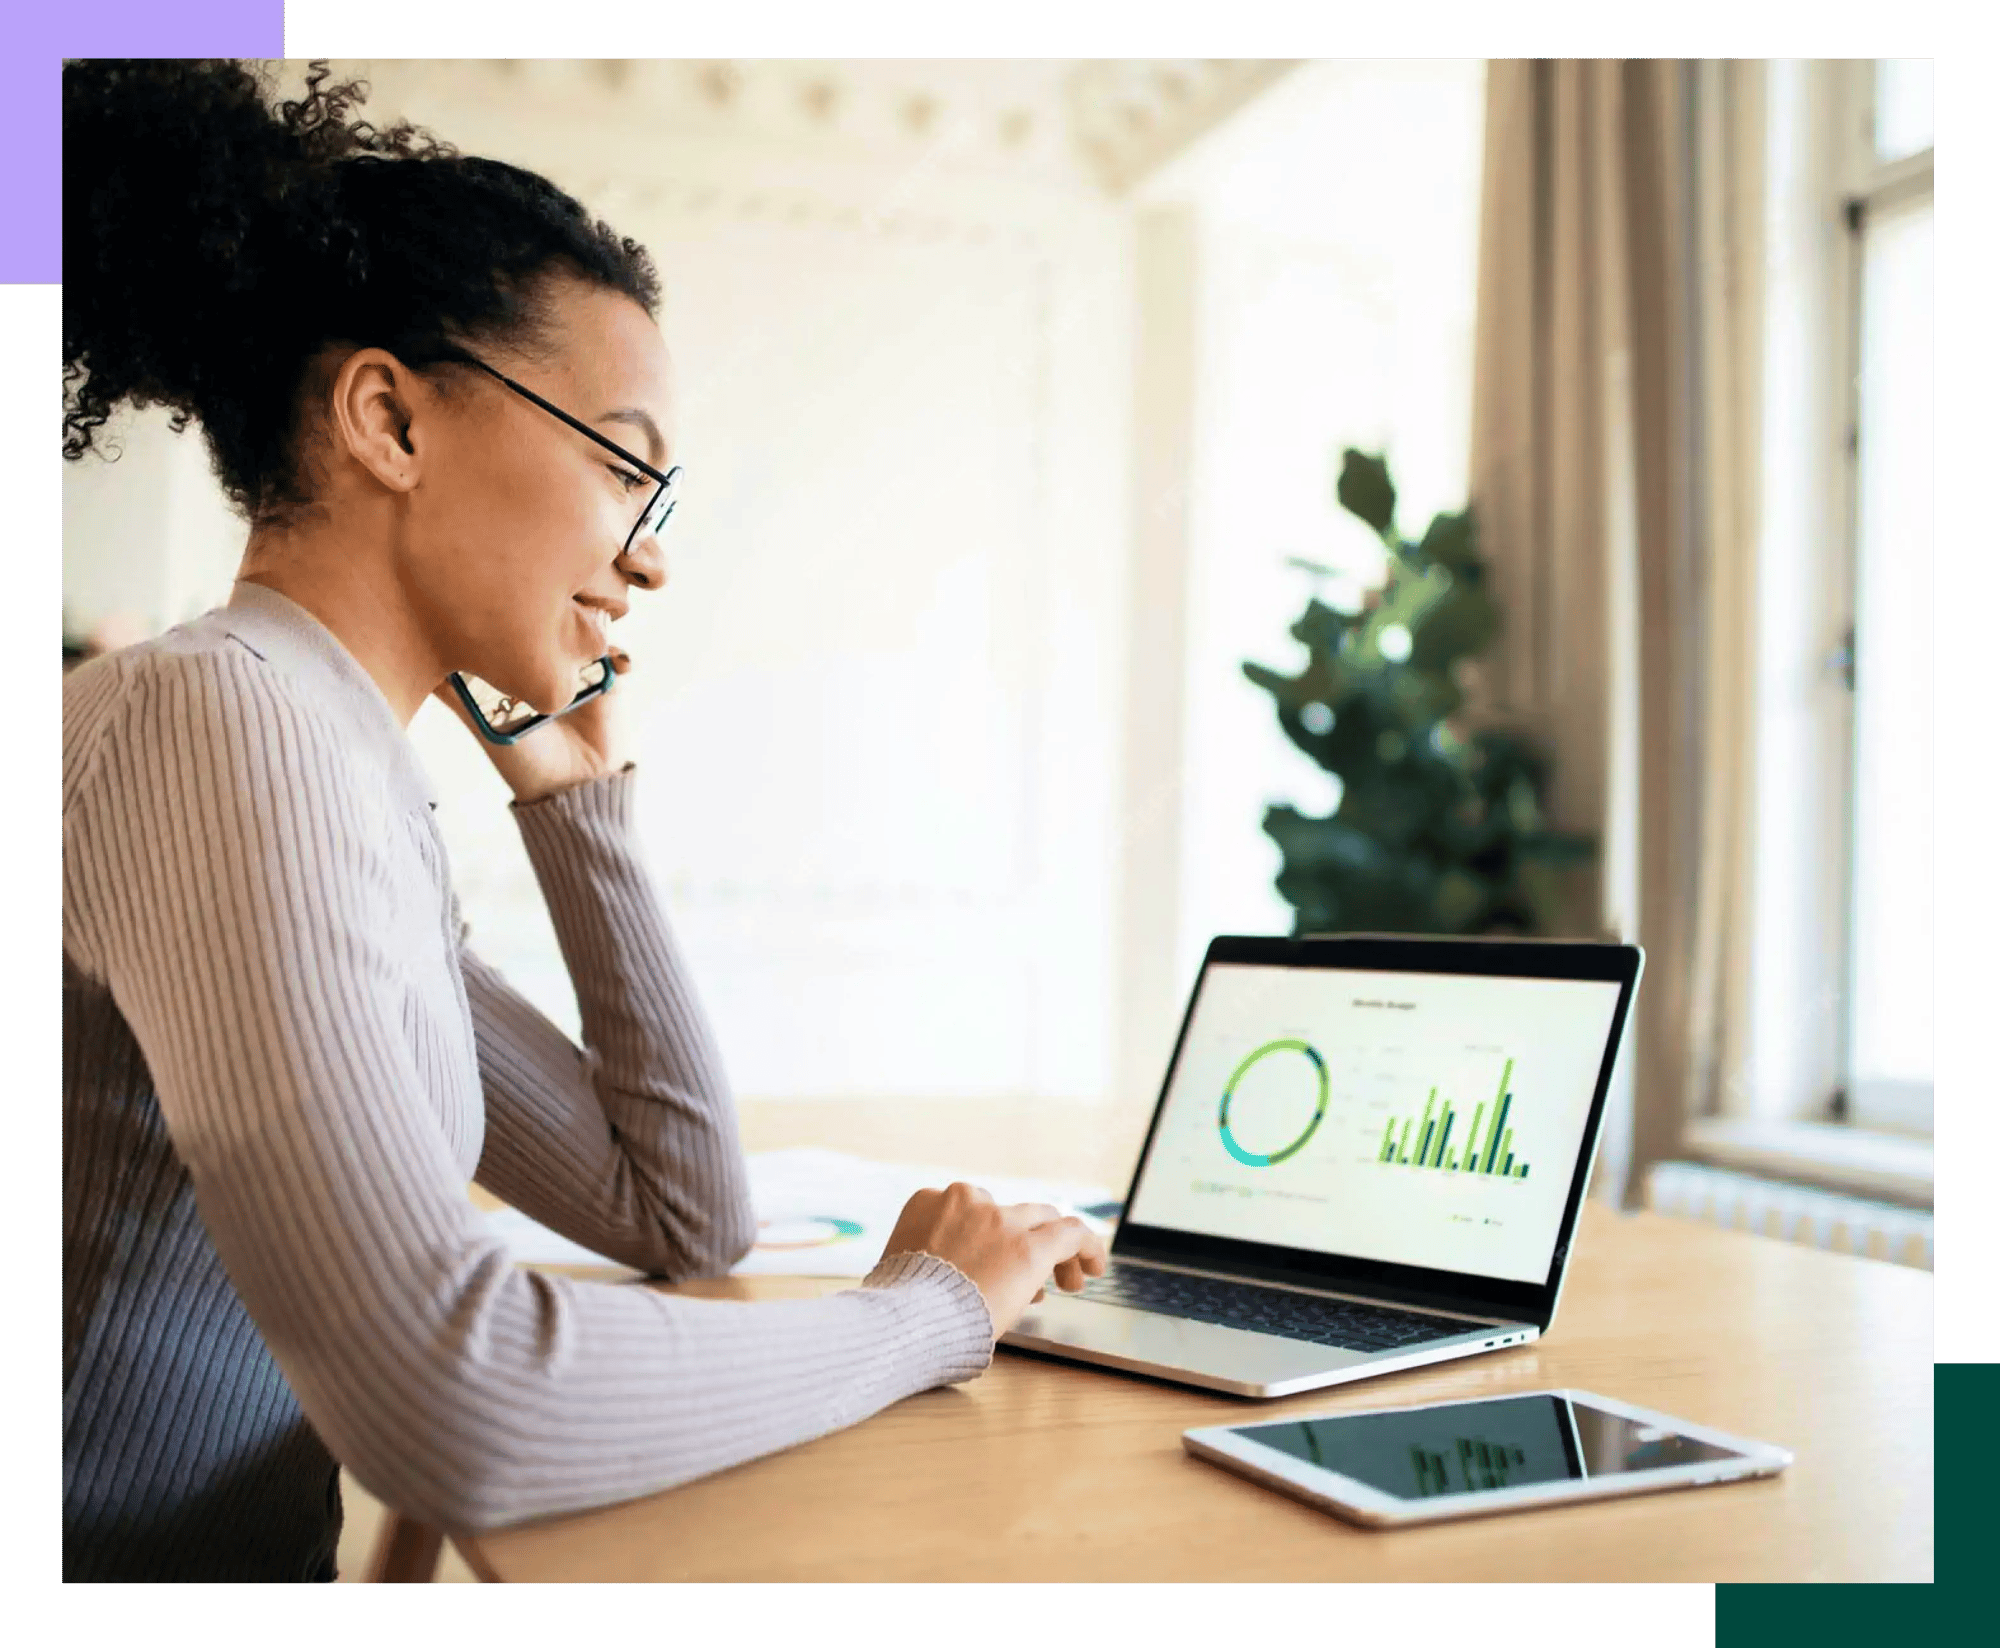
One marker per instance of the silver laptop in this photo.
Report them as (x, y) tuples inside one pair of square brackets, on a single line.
[(1368, 1155)]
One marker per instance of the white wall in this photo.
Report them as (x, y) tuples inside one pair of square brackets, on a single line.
[(878, 711), (148, 539)]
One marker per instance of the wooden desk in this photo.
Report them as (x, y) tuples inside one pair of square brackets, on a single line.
[(1044, 1471)]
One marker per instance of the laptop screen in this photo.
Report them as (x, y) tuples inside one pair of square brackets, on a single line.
[(1428, 1119)]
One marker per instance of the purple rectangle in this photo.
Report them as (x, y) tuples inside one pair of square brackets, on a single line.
[(37, 39)]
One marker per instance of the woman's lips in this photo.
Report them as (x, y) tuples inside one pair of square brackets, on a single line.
[(598, 622)]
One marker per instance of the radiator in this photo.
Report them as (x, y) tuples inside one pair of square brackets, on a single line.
[(1794, 1213)]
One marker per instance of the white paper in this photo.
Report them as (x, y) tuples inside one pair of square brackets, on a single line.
[(819, 1212), (536, 1244), (823, 1213)]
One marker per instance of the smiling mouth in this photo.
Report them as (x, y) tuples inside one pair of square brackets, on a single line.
[(599, 620)]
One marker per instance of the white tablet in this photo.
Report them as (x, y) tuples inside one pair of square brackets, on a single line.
[(1389, 1466)]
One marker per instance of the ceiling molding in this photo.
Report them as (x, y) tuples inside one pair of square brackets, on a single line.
[(1130, 116), (992, 114), (1099, 124), (800, 207)]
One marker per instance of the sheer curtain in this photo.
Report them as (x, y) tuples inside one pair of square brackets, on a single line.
[(1614, 462)]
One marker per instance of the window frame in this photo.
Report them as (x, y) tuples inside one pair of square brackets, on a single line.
[(1864, 186)]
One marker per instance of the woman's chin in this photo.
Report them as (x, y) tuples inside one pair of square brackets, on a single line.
[(562, 683), (548, 683), (548, 700)]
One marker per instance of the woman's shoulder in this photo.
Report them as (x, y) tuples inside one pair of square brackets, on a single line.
[(199, 657), (196, 696)]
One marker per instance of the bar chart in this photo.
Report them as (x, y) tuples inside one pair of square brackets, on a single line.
[(1487, 1147), (1481, 1465)]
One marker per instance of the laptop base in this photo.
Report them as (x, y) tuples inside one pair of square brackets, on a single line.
[(1232, 1360)]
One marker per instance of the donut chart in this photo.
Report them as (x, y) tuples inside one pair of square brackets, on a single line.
[(1250, 1158), (804, 1231)]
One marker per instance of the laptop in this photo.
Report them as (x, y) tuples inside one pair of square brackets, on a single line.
[(1368, 1155)]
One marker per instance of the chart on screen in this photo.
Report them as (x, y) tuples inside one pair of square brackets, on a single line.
[(1420, 1119)]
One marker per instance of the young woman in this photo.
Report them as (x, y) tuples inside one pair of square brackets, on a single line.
[(435, 389)]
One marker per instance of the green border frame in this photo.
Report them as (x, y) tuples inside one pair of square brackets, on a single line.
[(1969, 1335)]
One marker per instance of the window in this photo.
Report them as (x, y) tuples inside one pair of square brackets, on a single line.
[(1840, 1012), (1887, 1022)]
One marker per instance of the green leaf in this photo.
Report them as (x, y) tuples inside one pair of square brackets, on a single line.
[(1460, 623), (1267, 678), (1324, 628), (1449, 542), (1364, 489)]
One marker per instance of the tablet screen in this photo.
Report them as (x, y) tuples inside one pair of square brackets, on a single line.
[(1478, 1447)]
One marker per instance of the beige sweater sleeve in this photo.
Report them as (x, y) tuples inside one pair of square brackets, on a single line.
[(248, 907), (627, 1145)]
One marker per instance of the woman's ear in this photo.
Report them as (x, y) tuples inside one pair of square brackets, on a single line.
[(374, 415)]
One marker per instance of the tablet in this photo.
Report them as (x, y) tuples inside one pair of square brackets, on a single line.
[(1390, 1466)]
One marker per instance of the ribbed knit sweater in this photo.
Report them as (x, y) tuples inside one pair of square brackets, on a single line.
[(281, 1065)]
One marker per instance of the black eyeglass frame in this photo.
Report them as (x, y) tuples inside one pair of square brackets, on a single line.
[(664, 480), (608, 675)]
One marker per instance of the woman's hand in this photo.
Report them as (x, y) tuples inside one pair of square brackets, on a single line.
[(1009, 1252), (560, 754)]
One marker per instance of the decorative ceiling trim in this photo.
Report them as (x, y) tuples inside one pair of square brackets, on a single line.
[(805, 208), (997, 113), (1102, 122), (1130, 116)]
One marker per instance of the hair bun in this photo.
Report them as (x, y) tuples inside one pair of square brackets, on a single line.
[(190, 209)]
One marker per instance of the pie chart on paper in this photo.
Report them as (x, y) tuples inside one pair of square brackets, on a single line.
[(794, 1234)]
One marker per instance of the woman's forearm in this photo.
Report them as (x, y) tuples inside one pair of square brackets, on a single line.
[(630, 1147)]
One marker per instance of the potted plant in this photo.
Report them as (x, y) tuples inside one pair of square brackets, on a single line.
[(1440, 826)]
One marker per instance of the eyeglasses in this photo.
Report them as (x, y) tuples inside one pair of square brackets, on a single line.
[(653, 518), (500, 718)]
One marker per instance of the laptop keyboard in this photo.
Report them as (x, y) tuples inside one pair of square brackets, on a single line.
[(1343, 1323)]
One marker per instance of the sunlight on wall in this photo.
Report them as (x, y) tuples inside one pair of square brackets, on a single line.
[(1337, 276), (875, 710)]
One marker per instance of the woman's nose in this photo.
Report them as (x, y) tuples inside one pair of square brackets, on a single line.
[(644, 563)]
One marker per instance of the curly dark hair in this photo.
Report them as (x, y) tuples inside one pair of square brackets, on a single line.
[(214, 245)]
